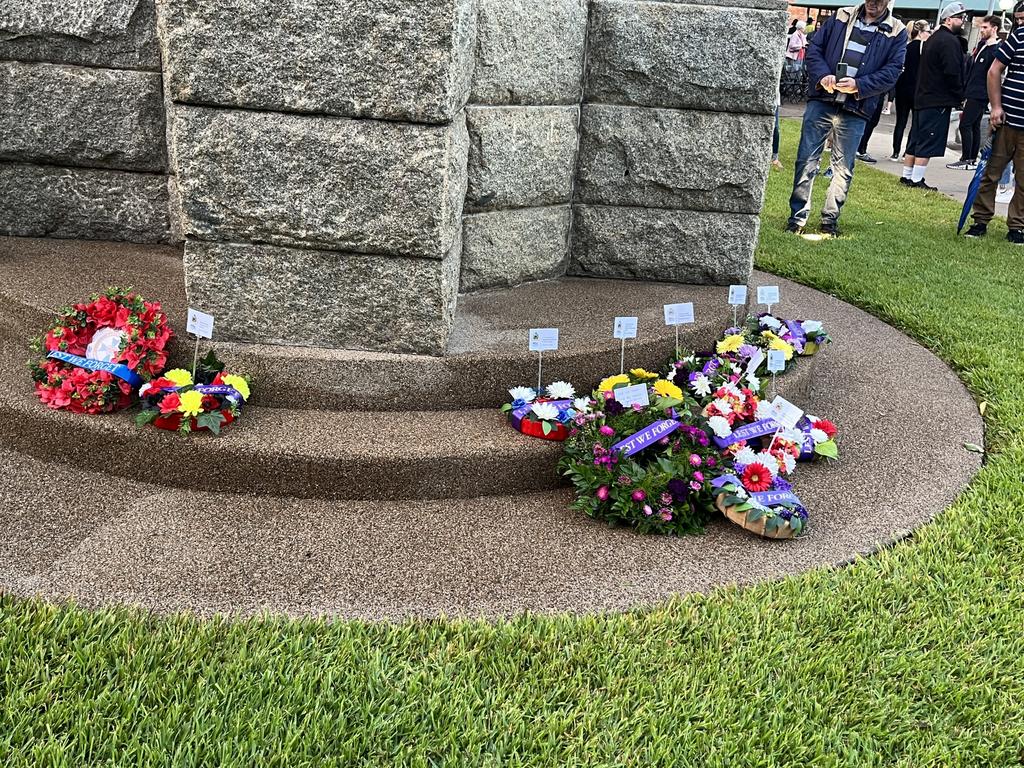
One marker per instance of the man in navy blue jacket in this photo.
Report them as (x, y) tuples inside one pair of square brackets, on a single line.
[(853, 60)]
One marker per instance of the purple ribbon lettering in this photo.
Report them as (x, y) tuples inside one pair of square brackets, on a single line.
[(748, 432), (520, 413), (775, 498), (646, 436)]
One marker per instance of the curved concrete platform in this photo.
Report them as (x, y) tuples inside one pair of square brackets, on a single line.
[(68, 533), (487, 352)]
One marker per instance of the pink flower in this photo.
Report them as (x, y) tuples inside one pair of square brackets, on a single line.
[(602, 493), (698, 476), (647, 510), (637, 407), (606, 431), (666, 514), (624, 480), (639, 495), (695, 485), (666, 498), (695, 460)]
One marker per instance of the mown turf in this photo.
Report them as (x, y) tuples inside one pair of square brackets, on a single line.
[(912, 658)]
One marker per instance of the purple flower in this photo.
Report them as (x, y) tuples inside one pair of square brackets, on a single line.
[(606, 430), (639, 495), (624, 480), (695, 460), (698, 476), (637, 407), (695, 485), (781, 485), (614, 407), (712, 462), (647, 510), (664, 441), (602, 493), (677, 488), (666, 514), (666, 498)]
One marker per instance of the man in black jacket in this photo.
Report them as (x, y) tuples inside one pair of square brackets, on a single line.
[(977, 93), (940, 87)]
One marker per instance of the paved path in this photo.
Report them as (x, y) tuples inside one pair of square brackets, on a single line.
[(949, 182)]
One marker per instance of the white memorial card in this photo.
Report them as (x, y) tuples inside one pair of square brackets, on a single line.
[(768, 294), (737, 295), (625, 327), (543, 339), (200, 324), (628, 396), (776, 361), (679, 314), (755, 361), (785, 413)]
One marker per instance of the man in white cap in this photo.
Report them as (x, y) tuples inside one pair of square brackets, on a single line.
[(940, 88)]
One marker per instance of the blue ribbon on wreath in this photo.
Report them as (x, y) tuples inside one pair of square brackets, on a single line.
[(117, 369)]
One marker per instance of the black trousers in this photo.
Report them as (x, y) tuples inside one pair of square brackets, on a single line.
[(903, 109), (870, 128), (970, 128)]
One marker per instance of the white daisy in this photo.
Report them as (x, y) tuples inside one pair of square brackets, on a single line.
[(701, 385), (731, 389), (561, 390), (788, 463), (811, 326), (545, 411), (818, 436), (722, 405), (753, 382), (793, 435), (770, 322), (581, 404), (720, 426), (764, 410), (525, 394), (770, 463), (745, 456)]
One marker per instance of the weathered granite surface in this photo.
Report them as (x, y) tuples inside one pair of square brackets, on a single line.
[(676, 246), (329, 299), (45, 201), (658, 55), (507, 248), (100, 33), (78, 116), (771, 5), (664, 158), (529, 51), (520, 156), (365, 186), (390, 59)]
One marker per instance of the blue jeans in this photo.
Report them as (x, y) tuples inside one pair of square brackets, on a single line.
[(822, 119)]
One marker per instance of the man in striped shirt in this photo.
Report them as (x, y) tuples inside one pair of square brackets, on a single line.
[(1007, 98), (852, 61)]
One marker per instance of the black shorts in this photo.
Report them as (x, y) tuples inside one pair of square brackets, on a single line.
[(929, 131)]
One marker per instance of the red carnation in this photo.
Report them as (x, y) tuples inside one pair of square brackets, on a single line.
[(170, 403), (825, 426), (756, 477)]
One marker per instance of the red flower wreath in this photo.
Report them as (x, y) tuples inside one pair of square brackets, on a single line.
[(141, 349)]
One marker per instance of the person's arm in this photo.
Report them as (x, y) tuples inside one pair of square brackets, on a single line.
[(883, 79), (818, 70), (995, 93)]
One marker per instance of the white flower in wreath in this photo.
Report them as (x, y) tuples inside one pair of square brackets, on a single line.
[(701, 385), (793, 435), (105, 343), (770, 462), (720, 426), (789, 463), (581, 404), (744, 456), (731, 389), (722, 405), (753, 382), (818, 436), (764, 410), (770, 322), (561, 390), (741, 492), (545, 411), (735, 368), (525, 394), (811, 326)]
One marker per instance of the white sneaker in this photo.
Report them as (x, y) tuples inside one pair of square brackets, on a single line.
[(1004, 194)]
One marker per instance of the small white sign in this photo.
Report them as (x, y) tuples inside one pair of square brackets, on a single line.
[(679, 314), (199, 324), (776, 361), (628, 396), (785, 413), (625, 327), (755, 361), (543, 339), (737, 295), (768, 294)]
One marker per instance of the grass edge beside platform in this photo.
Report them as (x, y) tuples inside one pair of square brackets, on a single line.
[(911, 658)]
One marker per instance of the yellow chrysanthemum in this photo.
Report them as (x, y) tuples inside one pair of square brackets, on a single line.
[(782, 346), (191, 403), (668, 389), (238, 383), (768, 335), (730, 344), (612, 381), (179, 376), (641, 375)]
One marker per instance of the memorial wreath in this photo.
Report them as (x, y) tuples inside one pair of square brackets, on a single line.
[(178, 403)]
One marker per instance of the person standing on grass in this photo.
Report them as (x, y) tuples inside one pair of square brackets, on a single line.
[(1007, 97), (854, 58), (977, 93), (906, 86), (940, 87)]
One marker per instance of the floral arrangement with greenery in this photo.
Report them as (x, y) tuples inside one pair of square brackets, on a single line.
[(178, 403), (544, 415)]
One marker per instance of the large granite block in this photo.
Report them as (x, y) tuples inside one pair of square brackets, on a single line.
[(520, 156), (303, 297), (99, 33), (365, 186), (675, 246), (660, 54), (507, 248), (103, 118), (662, 158), (46, 201), (390, 59), (530, 51)]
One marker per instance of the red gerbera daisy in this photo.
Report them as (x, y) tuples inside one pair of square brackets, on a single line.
[(757, 477)]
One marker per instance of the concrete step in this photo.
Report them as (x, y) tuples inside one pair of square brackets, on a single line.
[(487, 352)]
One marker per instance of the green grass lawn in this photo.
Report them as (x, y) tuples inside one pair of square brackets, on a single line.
[(912, 658)]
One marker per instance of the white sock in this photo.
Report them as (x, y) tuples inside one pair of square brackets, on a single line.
[(908, 170), (919, 172)]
